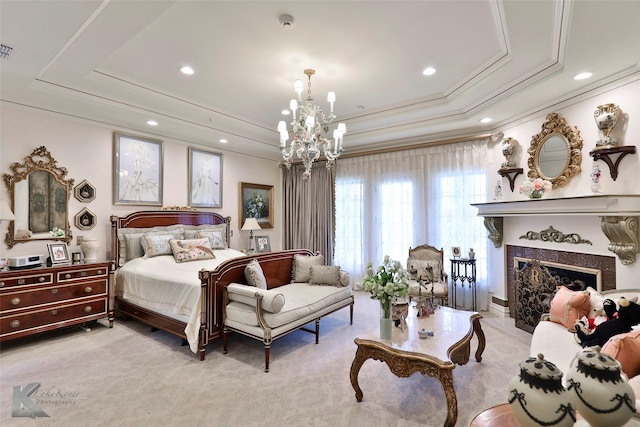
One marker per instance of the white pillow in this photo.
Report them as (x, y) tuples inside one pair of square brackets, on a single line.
[(215, 237), (301, 271), (328, 275), (254, 274), (191, 249)]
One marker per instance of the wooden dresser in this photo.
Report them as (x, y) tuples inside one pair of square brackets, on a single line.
[(41, 299)]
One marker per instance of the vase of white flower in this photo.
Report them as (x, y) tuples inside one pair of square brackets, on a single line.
[(536, 188), (388, 283)]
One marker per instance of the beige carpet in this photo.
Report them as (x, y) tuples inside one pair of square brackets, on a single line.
[(130, 376)]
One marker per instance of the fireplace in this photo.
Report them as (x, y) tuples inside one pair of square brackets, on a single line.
[(571, 268)]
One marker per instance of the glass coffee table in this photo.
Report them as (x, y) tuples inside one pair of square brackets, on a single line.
[(436, 356)]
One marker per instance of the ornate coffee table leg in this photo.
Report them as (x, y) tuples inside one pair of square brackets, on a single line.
[(477, 328), (358, 361)]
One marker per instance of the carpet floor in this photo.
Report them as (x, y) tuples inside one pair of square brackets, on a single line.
[(131, 376)]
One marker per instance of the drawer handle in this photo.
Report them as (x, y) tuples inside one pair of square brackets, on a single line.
[(54, 312), (99, 272), (42, 279), (54, 291), (21, 282), (88, 309), (1, 284), (15, 301), (88, 289), (67, 276), (14, 323), (83, 274)]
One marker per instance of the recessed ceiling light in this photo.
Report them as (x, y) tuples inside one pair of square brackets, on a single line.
[(429, 71), (285, 112), (185, 69), (582, 76), (152, 123), (486, 120), (223, 141)]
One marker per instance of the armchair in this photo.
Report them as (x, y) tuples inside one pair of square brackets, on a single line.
[(428, 276)]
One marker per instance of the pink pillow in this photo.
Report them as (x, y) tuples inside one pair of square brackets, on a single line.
[(625, 348), (568, 306)]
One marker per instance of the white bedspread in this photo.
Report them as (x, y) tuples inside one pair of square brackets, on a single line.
[(168, 287)]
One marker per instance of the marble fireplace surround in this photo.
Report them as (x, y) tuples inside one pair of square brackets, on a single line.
[(605, 264)]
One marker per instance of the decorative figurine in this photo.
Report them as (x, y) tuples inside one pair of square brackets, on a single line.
[(595, 179), (508, 147), (497, 191), (606, 117)]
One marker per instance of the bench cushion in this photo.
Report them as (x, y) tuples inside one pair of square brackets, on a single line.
[(301, 300)]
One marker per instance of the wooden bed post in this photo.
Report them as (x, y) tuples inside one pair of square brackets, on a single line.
[(204, 298)]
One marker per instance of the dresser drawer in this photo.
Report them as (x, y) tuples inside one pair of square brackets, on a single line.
[(89, 272), (17, 300), (33, 279), (77, 313)]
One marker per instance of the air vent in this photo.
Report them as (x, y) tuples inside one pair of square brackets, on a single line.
[(5, 50)]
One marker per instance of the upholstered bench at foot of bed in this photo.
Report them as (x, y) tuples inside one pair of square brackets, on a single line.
[(267, 314)]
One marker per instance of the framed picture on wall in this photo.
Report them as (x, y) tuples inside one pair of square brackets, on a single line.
[(137, 174), (256, 200), (263, 244), (205, 179)]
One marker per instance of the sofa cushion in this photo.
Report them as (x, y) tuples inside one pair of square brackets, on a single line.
[(300, 300), (556, 343), (243, 295), (301, 270), (254, 275), (625, 348), (327, 275), (568, 306), (191, 249)]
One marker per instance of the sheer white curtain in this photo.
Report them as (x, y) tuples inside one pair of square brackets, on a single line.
[(386, 203)]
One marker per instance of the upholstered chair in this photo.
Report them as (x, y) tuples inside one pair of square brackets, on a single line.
[(425, 265)]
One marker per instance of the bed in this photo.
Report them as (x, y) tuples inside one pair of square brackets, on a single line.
[(177, 297)]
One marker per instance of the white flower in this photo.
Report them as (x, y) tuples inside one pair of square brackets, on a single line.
[(388, 282), (537, 185)]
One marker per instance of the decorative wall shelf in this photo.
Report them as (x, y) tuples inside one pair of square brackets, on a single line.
[(605, 153), (619, 217), (510, 174)]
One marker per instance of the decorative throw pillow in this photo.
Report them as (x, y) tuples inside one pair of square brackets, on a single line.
[(177, 230), (301, 271), (328, 275), (191, 250), (625, 348), (215, 237), (156, 244), (595, 302), (191, 231), (254, 275), (568, 306), (133, 246)]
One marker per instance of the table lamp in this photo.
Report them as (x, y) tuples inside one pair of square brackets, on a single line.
[(6, 214), (251, 224)]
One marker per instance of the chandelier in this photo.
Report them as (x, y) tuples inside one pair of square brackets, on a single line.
[(309, 130)]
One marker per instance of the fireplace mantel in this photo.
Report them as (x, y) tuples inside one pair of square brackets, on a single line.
[(619, 217)]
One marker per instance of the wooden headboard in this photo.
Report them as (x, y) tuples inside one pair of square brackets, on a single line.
[(147, 219)]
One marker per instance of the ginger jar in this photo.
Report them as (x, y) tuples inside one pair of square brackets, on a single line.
[(603, 398), (537, 396)]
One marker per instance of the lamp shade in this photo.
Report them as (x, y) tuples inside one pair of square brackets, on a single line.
[(6, 214), (251, 224)]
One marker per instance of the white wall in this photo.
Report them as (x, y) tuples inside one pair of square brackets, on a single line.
[(86, 150), (579, 114)]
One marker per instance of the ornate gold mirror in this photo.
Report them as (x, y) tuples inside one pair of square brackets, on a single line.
[(39, 199), (555, 153)]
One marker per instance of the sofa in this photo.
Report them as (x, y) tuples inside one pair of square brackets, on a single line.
[(267, 306), (554, 338)]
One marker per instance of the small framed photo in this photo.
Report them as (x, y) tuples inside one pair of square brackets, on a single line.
[(205, 179), (59, 253), (137, 173), (455, 251), (263, 244)]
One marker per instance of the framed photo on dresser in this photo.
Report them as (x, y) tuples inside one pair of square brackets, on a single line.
[(59, 253)]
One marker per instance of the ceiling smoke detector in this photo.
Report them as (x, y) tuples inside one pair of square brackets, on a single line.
[(286, 21)]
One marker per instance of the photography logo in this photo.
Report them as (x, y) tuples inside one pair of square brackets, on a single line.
[(23, 406)]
